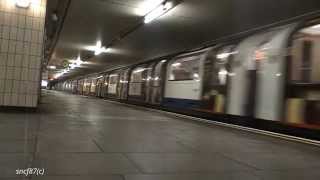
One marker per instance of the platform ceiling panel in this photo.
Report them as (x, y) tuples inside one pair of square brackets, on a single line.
[(188, 25)]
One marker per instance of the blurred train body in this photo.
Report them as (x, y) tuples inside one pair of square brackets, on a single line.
[(272, 76)]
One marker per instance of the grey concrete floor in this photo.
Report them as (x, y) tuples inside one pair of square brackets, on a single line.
[(79, 138)]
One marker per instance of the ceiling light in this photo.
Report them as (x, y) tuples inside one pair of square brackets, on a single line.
[(51, 67), (72, 66), (158, 12), (23, 3), (176, 64), (147, 6), (98, 48), (78, 62), (316, 26)]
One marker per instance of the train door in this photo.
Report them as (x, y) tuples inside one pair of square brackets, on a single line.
[(104, 89), (100, 81), (93, 86), (158, 82), (149, 81), (303, 92), (242, 76), (123, 84), (216, 71), (113, 85), (80, 86), (138, 78)]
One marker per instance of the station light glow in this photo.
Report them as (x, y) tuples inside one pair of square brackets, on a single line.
[(316, 26), (23, 3), (225, 55), (98, 48), (176, 64), (44, 83), (147, 6), (158, 12), (51, 67)]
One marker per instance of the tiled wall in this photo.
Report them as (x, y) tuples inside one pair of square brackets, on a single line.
[(21, 52)]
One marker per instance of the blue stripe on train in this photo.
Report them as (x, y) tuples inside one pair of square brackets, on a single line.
[(181, 103)]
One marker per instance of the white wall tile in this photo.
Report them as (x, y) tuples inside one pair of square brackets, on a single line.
[(21, 100), (6, 32), (29, 22), (19, 47), (2, 84), (12, 46), (2, 72), (1, 17), (14, 20), (27, 35), (10, 73), (1, 99), (17, 73), (16, 86), (26, 48), (6, 99), (13, 33), (29, 100), (3, 59), (8, 86), (14, 99), (24, 74), (23, 87), (22, 21), (21, 38), (20, 35), (25, 60), (10, 59), (7, 17), (4, 45), (18, 60)]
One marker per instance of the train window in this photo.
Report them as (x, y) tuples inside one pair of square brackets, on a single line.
[(185, 69), (303, 96), (113, 79), (137, 75), (305, 64), (157, 73), (220, 66)]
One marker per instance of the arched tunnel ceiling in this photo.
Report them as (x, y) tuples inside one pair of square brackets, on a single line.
[(188, 25)]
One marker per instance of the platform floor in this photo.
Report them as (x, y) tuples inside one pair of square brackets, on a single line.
[(80, 138)]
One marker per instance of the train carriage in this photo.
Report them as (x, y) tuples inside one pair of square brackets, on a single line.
[(184, 80), (138, 81), (123, 84), (271, 77), (113, 82)]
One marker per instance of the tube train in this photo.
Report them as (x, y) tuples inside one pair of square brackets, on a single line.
[(268, 80)]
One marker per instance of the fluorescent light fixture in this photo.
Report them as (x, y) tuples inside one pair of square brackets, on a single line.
[(158, 12), (23, 3), (51, 67), (176, 64), (72, 66), (225, 55), (98, 48), (78, 61), (44, 83), (147, 6), (139, 70), (316, 26)]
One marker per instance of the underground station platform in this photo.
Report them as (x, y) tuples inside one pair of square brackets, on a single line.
[(159, 90), (83, 138)]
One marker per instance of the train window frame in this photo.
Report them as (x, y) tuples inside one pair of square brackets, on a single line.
[(111, 78), (138, 70), (197, 57)]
